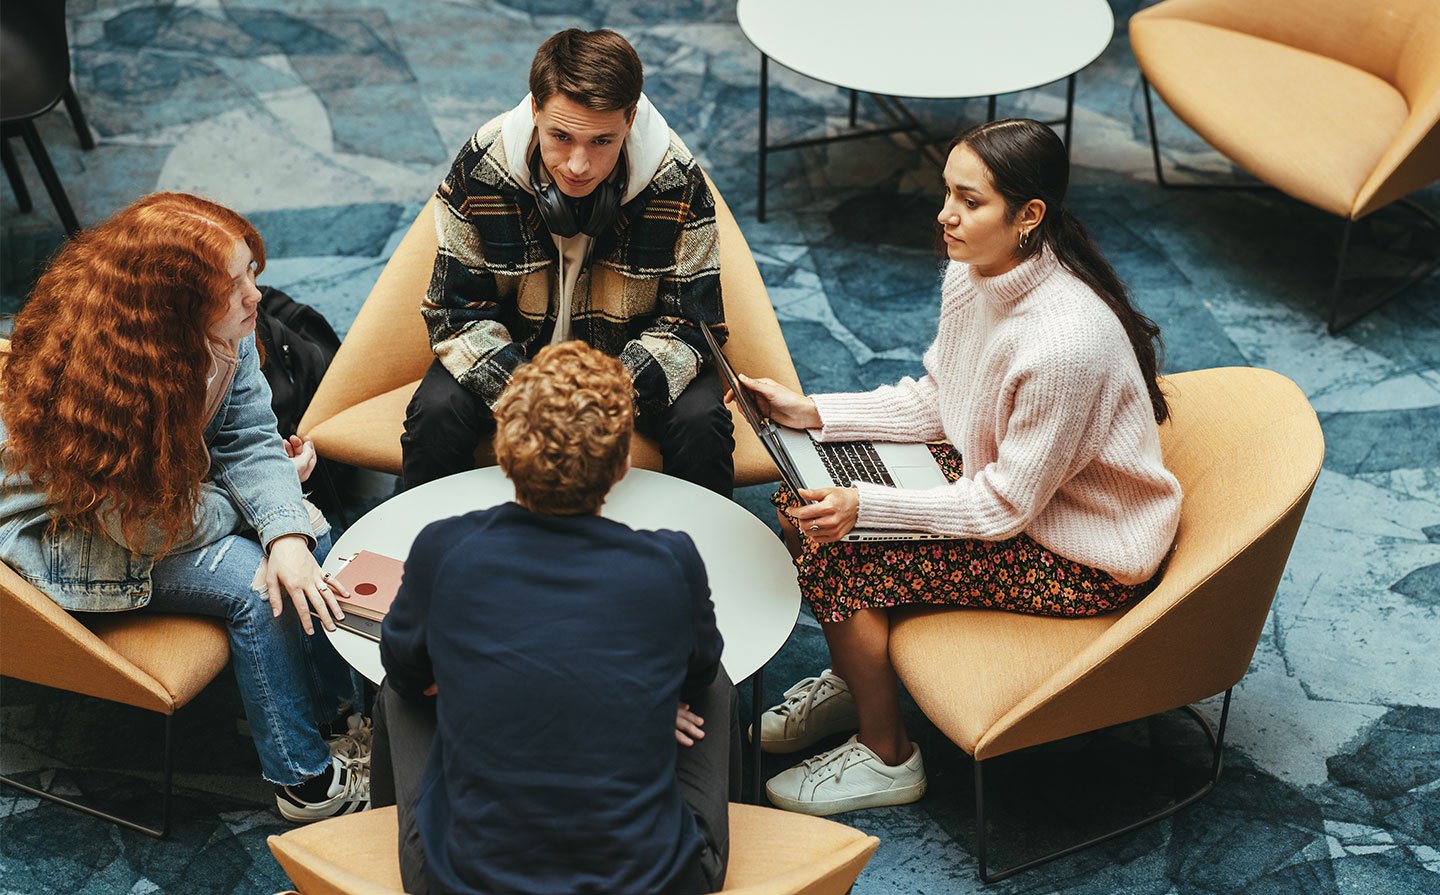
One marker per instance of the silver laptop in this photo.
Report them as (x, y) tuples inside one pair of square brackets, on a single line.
[(804, 462)]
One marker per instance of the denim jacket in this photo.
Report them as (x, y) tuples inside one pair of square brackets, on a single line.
[(252, 486)]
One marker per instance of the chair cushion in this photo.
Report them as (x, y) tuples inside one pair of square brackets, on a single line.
[(967, 668), (153, 662), (1308, 125), (368, 435), (183, 653)]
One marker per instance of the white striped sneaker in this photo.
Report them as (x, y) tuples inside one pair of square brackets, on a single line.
[(814, 709), (349, 793)]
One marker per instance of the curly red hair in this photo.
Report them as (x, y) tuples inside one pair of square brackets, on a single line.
[(104, 385)]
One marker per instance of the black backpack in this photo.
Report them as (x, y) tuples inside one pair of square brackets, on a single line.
[(299, 344)]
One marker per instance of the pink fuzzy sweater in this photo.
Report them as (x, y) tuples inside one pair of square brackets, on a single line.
[(1033, 380)]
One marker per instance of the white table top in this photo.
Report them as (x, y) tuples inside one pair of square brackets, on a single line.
[(930, 49), (752, 580)]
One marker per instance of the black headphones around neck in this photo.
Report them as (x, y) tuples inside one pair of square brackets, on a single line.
[(591, 215)]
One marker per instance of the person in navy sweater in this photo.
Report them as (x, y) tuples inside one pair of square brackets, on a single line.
[(550, 673)]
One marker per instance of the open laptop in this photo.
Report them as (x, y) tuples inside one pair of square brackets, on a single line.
[(804, 462)]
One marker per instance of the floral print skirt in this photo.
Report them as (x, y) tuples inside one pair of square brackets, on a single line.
[(1016, 575)]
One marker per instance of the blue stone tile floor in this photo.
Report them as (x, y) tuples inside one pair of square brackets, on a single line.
[(329, 123)]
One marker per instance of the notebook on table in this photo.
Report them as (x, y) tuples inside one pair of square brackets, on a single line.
[(373, 580), (804, 462)]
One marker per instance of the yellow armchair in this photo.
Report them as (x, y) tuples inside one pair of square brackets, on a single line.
[(1333, 102), (771, 853), (1247, 449)]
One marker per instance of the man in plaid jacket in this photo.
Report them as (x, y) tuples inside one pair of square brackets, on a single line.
[(578, 214)]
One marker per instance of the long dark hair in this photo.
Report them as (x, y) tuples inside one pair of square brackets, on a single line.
[(1027, 161)]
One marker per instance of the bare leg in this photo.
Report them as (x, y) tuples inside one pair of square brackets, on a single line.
[(860, 653)]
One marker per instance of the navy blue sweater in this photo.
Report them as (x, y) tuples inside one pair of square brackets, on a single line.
[(561, 646)]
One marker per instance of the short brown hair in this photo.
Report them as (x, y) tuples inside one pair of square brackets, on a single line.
[(595, 69), (562, 428)]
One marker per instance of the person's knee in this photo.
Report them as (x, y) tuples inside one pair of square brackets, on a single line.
[(704, 420), (232, 574), (439, 407)]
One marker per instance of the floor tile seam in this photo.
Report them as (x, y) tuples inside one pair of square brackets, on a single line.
[(1386, 539), (1311, 696), (1401, 602), (1417, 372)]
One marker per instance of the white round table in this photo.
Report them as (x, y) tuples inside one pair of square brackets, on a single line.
[(923, 49), (752, 580)]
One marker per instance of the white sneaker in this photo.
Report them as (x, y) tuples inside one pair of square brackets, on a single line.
[(349, 793), (847, 778), (813, 709)]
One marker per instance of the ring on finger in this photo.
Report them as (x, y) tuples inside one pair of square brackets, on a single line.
[(322, 587)]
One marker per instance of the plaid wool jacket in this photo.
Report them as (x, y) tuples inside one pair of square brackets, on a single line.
[(653, 279)]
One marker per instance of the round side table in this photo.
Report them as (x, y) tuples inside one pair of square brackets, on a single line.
[(922, 49)]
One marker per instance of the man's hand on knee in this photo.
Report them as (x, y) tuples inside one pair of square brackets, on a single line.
[(687, 726)]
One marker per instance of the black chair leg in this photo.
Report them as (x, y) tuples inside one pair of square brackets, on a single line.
[(1217, 744), (1364, 304), (757, 708), (163, 832), (49, 177), (77, 118), (12, 172)]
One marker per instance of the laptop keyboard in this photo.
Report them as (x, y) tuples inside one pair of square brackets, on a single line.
[(853, 461)]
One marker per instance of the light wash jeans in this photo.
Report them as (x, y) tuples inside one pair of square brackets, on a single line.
[(291, 684)]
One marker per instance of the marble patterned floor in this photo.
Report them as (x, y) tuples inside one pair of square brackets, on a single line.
[(329, 122)]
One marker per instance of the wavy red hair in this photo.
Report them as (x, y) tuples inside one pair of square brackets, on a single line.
[(104, 385)]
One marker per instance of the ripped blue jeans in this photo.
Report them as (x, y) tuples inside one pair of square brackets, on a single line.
[(291, 684)]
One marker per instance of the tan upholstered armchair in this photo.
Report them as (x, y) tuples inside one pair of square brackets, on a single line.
[(1247, 449), (1333, 102), (771, 853), (358, 413)]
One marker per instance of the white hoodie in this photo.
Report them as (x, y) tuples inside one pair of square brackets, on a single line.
[(645, 148)]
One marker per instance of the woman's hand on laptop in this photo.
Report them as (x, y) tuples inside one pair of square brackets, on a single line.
[(780, 404), (830, 517)]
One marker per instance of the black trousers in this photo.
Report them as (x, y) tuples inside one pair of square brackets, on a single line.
[(708, 774), (446, 421)]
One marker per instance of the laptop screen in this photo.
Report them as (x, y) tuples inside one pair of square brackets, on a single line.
[(764, 429), (732, 379)]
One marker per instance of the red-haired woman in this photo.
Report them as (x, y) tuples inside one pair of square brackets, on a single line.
[(143, 472)]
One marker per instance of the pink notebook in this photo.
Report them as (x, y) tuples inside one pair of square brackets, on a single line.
[(373, 580)]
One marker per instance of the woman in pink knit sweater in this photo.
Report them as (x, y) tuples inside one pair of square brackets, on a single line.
[(1043, 378)]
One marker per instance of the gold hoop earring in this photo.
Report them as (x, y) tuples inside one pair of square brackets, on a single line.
[(1024, 238)]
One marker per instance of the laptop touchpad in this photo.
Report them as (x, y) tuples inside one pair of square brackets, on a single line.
[(917, 476)]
